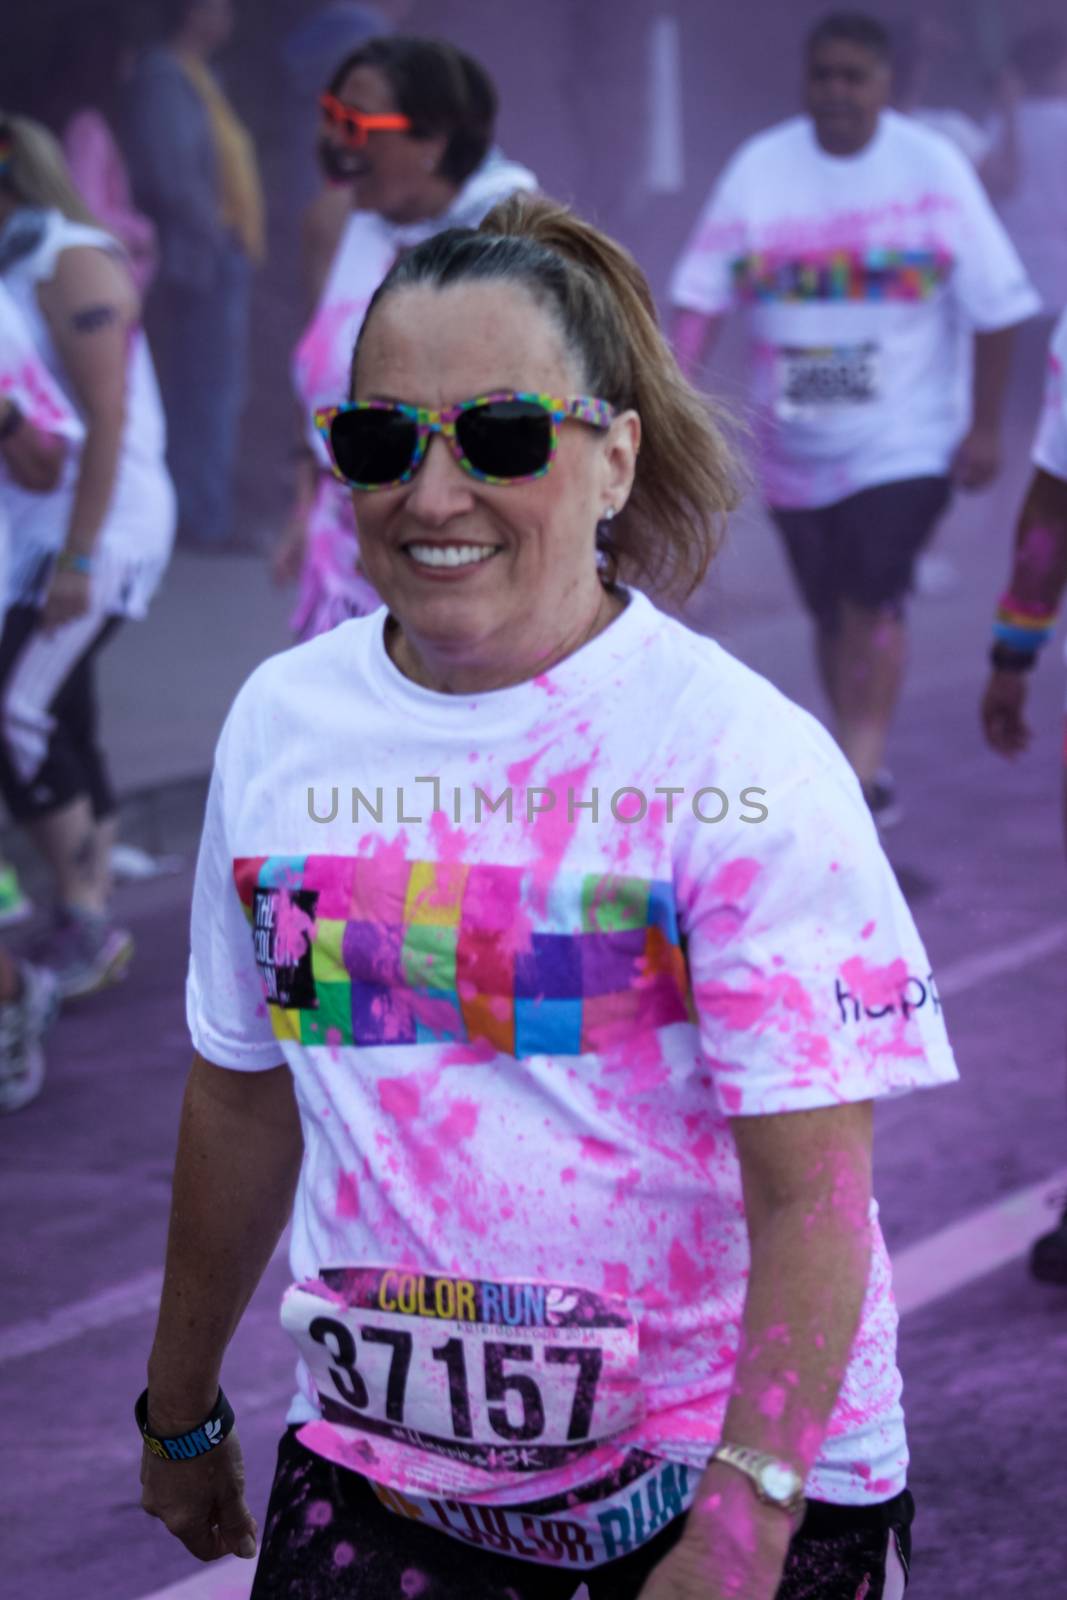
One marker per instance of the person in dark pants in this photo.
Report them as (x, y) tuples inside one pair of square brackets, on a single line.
[(194, 172), (868, 261)]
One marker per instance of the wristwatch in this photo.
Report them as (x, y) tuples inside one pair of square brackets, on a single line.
[(776, 1482)]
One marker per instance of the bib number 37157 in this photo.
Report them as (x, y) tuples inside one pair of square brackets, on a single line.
[(500, 1375)]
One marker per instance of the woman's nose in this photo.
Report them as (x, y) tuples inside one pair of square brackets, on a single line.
[(440, 488)]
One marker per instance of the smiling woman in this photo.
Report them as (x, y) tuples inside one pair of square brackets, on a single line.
[(407, 137), (588, 1281)]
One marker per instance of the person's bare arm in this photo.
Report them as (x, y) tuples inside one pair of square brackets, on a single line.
[(239, 1153), (807, 1188), (1037, 585), (33, 457), (693, 337), (91, 308), (977, 460)]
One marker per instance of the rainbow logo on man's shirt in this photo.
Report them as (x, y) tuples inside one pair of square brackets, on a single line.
[(840, 275)]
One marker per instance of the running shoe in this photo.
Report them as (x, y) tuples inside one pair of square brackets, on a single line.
[(23, 1023), (881, 797), (14, 905), (85, 952), (1048, 1255)]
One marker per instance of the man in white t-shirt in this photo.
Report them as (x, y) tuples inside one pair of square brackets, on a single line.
[(868, 261), (1025, 620)]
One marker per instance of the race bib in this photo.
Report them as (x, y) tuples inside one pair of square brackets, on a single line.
[(502, 1377), (811, 382)]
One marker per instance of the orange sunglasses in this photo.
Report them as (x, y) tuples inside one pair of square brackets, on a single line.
[(356, 125)]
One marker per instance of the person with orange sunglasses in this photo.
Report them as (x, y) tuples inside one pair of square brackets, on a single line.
[(407, 140)]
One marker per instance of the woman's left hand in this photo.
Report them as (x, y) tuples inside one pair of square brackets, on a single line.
[(733, 1547), (702, 1571), (67, 598)]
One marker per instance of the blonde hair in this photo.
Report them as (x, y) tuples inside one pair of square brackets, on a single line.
[(36, 173), (688, 475)]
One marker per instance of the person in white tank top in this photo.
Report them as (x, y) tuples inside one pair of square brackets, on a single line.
[(83, 557), (408, 130)]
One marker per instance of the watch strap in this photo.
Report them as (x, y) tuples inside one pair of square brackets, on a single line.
[(199, 1441)]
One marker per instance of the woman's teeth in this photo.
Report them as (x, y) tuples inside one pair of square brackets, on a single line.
[(450, 555)]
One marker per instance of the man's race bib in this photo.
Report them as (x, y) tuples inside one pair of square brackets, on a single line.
[(505, 1377), (811, 382)]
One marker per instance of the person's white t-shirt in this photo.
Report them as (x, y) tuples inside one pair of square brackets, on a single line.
[(516, 1041), (863, 278), (137, 534), (25, 379), (1050, 445)]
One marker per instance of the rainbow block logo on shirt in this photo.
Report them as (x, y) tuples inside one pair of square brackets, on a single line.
[(840, 275), (354, 951)]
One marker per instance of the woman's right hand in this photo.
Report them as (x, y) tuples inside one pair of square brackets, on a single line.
[(202, 1502)]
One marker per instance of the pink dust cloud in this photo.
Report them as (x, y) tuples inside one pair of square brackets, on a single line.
[(294, 931), (347, 1204)]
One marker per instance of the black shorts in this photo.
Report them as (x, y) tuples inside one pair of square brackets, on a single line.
[(327, 1536), (862, 549)]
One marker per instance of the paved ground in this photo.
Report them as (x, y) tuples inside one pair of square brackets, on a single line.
[(84, 1172)]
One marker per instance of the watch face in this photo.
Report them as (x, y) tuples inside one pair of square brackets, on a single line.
[(779, 1482)]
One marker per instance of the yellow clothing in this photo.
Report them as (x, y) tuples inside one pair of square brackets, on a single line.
[(241, 196)]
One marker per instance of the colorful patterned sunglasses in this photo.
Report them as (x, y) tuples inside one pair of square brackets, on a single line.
[(356, 125), (500, 438)]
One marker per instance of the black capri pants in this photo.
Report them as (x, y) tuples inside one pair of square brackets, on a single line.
[(328, 1537), (49, 754)]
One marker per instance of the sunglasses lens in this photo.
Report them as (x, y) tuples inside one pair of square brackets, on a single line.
[(506, 438), (372, 448)]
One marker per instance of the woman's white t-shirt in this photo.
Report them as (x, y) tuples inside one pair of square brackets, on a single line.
[(137, 535), (862, 279), (25, 379), (516, 1040)]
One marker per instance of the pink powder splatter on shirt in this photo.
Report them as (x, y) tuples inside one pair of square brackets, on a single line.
[(319, 1514), (347, 1195), (413, 1583), (875, 986), (686, 1279), (399, 1097), (867, 930), (294, 930), (344, 1554), (616, 1277), (460, 1123), (599, 1150)]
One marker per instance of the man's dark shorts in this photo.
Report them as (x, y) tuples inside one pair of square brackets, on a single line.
[(862, 549)]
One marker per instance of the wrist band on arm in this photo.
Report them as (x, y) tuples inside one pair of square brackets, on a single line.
[(1004, 659), (71, 561), (197, 1442), (1022, 629)]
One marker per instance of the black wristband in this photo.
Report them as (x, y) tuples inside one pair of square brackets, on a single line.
[(1005, 659), (197, 1442), (11, 423)]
